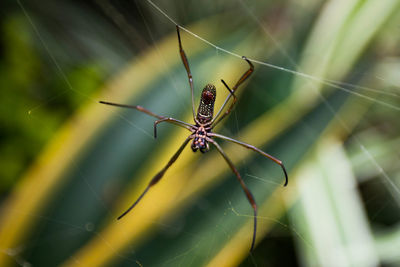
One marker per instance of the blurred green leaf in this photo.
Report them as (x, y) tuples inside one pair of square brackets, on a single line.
[(64, 208), (335, 227)]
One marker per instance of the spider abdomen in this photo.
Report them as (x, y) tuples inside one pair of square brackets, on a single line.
[(205, 111)]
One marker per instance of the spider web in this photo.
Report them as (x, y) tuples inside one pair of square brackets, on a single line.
[(171, 227)]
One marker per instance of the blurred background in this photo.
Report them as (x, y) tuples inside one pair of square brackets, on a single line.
[(324, 98)]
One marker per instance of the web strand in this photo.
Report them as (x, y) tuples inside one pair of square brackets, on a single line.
[(331, 83), (335, 84), (336, 116)]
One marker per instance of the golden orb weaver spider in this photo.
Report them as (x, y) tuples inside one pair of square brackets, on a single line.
[(201, 131)]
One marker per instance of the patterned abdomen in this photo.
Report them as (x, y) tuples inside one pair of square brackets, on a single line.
[(205, 111)]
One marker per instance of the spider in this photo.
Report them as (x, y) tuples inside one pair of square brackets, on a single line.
[(201, 132)]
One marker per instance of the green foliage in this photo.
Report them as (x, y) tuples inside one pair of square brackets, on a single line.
[(69, 165), (35, 98)]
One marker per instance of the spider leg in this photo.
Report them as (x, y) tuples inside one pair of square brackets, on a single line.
[(238, 83), (158, 176), (172, 120), (245, 189), (148, 112), (277, 161), (222, 107), (186, 64)]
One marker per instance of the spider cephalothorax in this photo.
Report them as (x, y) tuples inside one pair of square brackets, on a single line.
[(200, 139), (201, 131)]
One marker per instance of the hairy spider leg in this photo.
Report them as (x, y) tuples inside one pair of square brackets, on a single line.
[(190, 127), (246, 75), (249, 195), (189, 74), (277, 161), (148, 112), (158, 176)]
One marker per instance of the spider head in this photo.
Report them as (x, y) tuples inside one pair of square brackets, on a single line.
[(206, 107)]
